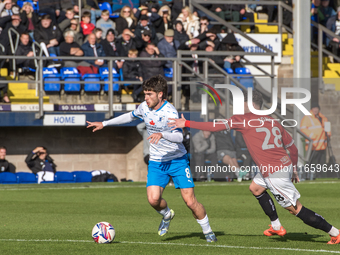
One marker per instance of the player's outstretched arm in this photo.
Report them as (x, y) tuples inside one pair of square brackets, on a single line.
[(206, 126), (95, 125)]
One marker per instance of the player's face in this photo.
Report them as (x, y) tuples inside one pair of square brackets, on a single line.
[(152, 98), (2, 153)]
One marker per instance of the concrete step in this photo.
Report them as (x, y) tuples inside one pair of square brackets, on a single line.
[(31, 100)]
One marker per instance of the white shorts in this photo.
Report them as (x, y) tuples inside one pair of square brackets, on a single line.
[(280, 185)]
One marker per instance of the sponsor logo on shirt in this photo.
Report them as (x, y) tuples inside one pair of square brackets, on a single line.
[(152, 123)]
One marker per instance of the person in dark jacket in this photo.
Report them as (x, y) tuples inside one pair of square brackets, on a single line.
[(30, 19), (333, 25), (5, 166), (93, 49), (39, 160), (25, 49), (164, 22), (144, 24), (126, 20), (210, 36), (229, 43), (132, 71), (127, 42), (168, 46), (180, 34), (49, 34), (152, 68), (110, 47)]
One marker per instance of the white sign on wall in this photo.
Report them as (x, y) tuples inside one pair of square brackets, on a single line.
[(64, 120), (271, 41)]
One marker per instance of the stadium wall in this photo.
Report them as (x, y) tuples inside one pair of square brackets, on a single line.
[(118, 150)]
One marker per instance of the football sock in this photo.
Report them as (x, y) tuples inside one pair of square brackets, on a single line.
[(205, 224), (165, 213), (334, 232), (269, 209), (276, 224), (314, 220)]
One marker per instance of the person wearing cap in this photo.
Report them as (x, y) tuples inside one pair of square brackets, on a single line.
[(314, 127), (144, 24), (333, 24), (168, 46), (146, 38), (110, 47), (164, 23)]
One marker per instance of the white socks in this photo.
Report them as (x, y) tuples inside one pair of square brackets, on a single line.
[(205, 224), (276, 224), (165, 213), (334, 231)]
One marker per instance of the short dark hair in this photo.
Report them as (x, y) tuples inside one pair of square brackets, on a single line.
[(204, 18), (157, 84), (46, 16), (257, 98), (24, 33), (86, 14), (3, 147)]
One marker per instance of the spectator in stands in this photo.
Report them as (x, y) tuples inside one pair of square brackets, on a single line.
[(14, 22), (48, 35), (132, 71), (85, 24), (180, 34), (110, 48), (144, 24), (333, 24), (4, 89), (205, 149), (75, 27), (210, 37), (144, 10), (190, 22), (98, 33), (52, 8), (152, 68), (5, 166), (39, 160), (104, 23), (89, 6), (25, 49), (327, 11), (69, 48), (66, 6), (164, 23), (146, 38), (230, 44), (226, 152), (168, 46), (93, 49), (66, 23), (127, 42), (8, 9), (204, 25), (126, 20), (32, 19)]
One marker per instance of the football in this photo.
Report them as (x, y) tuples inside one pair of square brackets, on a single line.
[(103, 232)]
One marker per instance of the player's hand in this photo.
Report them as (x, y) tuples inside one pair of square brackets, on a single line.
[(177, 123), (295, 177), (95, 125), (155, 137)]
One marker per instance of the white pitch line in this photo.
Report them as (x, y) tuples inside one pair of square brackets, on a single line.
[(175, 244), (88, 186)]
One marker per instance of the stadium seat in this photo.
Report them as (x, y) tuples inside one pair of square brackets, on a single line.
[(71, 74), (104, 75), (91, 87), (168, 72), (26, 178), (242, 70), (82, 176), (8, 178), (247, 82), (64, 177), (51, 74), (229, 70), (106, 6)]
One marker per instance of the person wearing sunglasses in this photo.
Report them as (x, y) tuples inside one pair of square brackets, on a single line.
[(126, 20), (39, 160)]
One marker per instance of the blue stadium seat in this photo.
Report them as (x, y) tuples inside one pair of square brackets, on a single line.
[(92, 87), (71, 74), (106, 6), (35, 5), (82, 176), (51, 74), (26, 178), (242, 70), (247, 82), (8, 178), (168, 72), (104, 75), (229, 70), (64, 177)]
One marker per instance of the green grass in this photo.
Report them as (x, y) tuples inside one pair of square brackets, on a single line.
[(58, 219)]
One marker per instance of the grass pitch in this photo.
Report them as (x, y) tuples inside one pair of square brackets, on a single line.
[(58, 219)]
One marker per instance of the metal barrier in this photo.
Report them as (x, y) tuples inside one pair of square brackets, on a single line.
[(13, 46)]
